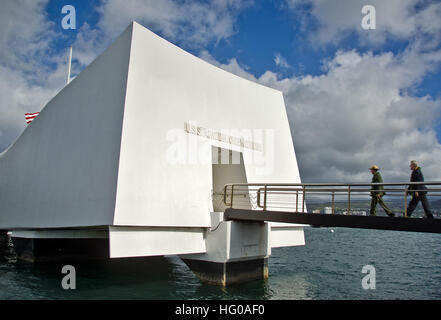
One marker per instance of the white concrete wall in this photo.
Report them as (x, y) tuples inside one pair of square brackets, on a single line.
[(166, 88), (154, 241), (62, 171), (286, 235), (234, 241), (98, 154)]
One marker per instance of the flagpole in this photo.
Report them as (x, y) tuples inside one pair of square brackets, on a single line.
[(69, 65)]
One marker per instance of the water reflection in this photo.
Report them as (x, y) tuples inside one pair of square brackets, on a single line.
[(328, 267), (294, 286)]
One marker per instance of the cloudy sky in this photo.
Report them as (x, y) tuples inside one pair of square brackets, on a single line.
[(354, 97)]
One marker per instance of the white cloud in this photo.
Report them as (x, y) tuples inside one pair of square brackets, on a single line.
[(232, 66), (25, 33), (192, 23), (356, 115), (26, 80), (362, 110), (395, 19), (281, 61), (30, 72), (359, 113)]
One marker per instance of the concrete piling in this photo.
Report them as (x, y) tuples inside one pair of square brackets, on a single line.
[(4, 244)]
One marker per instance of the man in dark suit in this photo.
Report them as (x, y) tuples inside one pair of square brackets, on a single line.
[(417, 176)]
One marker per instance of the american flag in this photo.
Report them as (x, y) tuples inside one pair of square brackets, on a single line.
[(31, 116)]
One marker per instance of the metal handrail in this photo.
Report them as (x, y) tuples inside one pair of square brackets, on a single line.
[(336, 184), (300, 190)]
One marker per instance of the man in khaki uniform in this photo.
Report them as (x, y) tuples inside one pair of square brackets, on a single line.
[(377, 193)]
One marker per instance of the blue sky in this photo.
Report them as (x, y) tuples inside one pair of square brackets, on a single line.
[(261, 31), (376, 94)]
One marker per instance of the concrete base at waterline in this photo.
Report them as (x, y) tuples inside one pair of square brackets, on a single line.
[(229, 272), (237, 251), (41, 250), (59, 245), (3, 243)]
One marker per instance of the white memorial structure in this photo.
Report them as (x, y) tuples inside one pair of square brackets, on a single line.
[(130, 159)]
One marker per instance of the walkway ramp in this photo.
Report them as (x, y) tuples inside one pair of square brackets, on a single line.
[(340, 205), (337, 220)]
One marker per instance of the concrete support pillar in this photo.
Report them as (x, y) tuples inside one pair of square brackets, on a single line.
[(3, 243), (225, 273), (59, 245), (237, 251), (39, 250)]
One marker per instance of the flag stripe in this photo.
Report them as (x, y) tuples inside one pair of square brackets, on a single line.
[(31, 116)]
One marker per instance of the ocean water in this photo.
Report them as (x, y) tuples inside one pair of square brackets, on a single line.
[(407, 266)]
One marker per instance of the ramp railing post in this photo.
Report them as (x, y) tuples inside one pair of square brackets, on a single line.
[(333, 203), (405, 202), (232, 194), (258, 198), (297, 200), (303, 200), (225, 194), (264, 197)]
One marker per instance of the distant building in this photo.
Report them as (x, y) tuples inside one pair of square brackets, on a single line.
[(327, 210), (316, 211)]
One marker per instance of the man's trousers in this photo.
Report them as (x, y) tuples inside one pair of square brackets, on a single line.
[(414, 202), (374, 201)]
